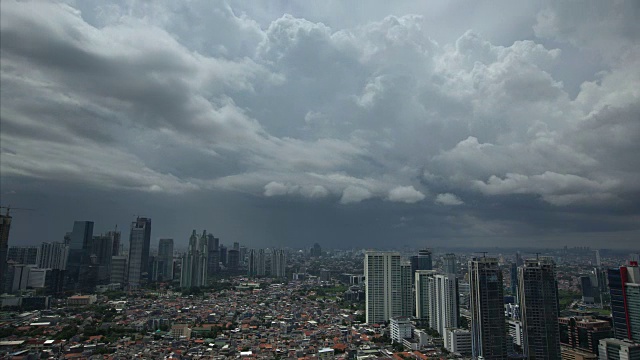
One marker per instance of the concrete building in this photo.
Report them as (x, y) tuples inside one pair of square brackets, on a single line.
[(119, 270), (422, 261), (406, 289), (514, 328), (458, 341), (401, 328), (538, 294), (583, 333), (213, 255), (450, 264), (5, 226), (425, 295), (488, 327), (278, 263), (382, 286), (616, 349)]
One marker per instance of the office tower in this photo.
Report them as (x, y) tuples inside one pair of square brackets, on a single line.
[(261, 263), (382, 286), (406, 289), (222, 252), (233, 259), (243, 254), (102, 248), (425, 295), (488, 328), (316, 250), (624, 285), (598, 258), (27, 255), (5, 226), (618, 349), (582, 333), (194, 262), (278, 263), (513, 271), (450, 264), (115, 236), (519, 260), (119, 270), (139, 243), (422, 261), (236, 246), (538, 289), (17, 277), (252, 265), (78, 274), (165, 259), (213, 256), (53, 255)]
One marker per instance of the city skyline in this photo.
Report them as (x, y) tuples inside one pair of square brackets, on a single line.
[(445, 123)]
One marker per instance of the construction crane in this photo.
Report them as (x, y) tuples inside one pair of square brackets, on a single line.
[(9, 208)]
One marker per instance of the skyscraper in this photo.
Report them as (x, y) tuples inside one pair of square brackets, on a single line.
[(422, 261), (115, 239), (102, 247), (624, 284), (425, 295), (27, 255), (488, 328), (406, 289), (450, 265), (252, 263), (165, 259), (194, 262), (5, 226), (261, 263), (446, 305), (139, 243), (538, 289), (278, 263), (233, 259), (382, 286), (213, 255), (78, 274), (53, 255)]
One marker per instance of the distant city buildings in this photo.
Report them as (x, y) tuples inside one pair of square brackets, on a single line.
[(165, 259), (5, 226), (53, 255)]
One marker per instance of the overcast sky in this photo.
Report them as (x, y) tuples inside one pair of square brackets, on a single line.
[(349, 123)]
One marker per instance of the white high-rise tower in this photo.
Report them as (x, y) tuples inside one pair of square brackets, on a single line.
[(382, 285)]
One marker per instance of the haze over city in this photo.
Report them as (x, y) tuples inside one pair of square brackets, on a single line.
[(377, 125)]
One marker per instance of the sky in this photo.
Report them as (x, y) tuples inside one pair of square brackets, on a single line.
[(377, 124)]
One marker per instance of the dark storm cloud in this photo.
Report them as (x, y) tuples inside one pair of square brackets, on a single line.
[(403, 124)]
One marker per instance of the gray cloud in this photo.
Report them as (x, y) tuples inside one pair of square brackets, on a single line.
[(308, 110)]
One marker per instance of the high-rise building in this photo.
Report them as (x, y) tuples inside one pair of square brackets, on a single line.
[(447, 309), (213, 255), (316, 250), (617, 349), (233, 259), (382, 286), (488, 327), (222, 252), (278, 263), (165, 259), (406, 289), (252, 265), (139, 243), (5, 226), (624, 285), (27, 255), (261, 263), (78, 273), (119, 270), (53, 255), (115, 240), (236, 246), (513, 271), (102, 248), (194, 262), (450, 264), (425, 295), (422, 261), (538, 289)]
